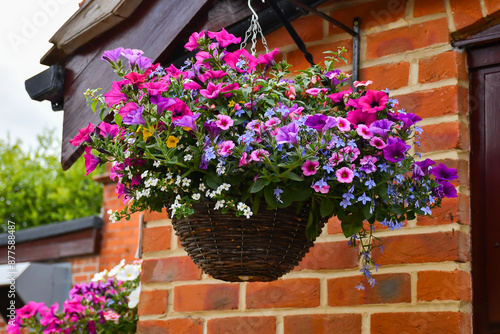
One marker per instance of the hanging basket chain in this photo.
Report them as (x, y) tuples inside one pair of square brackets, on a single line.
[(253, 31)]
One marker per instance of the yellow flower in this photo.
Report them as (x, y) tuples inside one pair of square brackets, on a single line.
[(231, 104), (146, 133), (172, 141)]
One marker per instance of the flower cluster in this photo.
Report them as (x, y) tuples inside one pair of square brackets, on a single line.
[(108, 304), (239, 130)]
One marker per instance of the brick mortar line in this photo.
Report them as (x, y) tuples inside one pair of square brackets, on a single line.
[(402, 23), (407, 56), (280, 324), (328, 274), (328, 9), (323, 292), (484, 10), (448, 154), (449, 15), (159, 223), (242, 299), (410, 6), (365, 323), (420, 307), (441, 119), (424, 87), (164, 254), (413, 286)]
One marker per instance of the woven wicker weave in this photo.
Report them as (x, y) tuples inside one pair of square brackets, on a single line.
[(237, 249)]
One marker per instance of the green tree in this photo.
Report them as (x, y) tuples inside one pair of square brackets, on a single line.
[(34, 190)]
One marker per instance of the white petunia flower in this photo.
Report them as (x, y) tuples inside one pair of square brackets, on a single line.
[(115, 270), (128, 273), (133, 298), (99, 276)]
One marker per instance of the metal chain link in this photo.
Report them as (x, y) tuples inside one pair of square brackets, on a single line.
[(253, 31)]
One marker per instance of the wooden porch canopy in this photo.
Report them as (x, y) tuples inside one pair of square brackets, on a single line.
[(158, 27)]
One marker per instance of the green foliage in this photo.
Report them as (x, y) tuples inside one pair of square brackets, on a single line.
[(34, 190)]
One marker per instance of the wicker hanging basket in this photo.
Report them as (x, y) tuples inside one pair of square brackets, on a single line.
[(237, 249)]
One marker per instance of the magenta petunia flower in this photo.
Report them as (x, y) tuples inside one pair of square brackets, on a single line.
[(30, 309), (83, 135), (233, 59), (212, 75), (135, 78), (212, 91), (310, 167), (115, 171), (179, 109), (357, 116), (316, 91), (127, 108), (224, 38), (373, 101), (155, 88), (258, 155), (193, 40), (191, 85), (268, 58), (200, 59), (243, 159), (91, 161), (224, 122), (227, 88), (115, 95), (335, 159), (225, 148), (344, 175), (108, 130), (339, 97)]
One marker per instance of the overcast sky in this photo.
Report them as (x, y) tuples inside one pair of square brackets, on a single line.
[(26, 27)]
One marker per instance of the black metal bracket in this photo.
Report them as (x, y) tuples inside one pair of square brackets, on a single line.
[(355, 33)]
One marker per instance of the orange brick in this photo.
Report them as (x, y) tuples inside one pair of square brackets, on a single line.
[(421, 248), (154, 215), (299, 293), (432, 103), (465, 13), (80, 278), (392, 76), (323, 324), (493, 7), (309, 28), (299, 62), (372, 14), (443, 285), (441, 137), (428, 7), (408, 38), (204, 297), (446, 65), (417, 322), (153, 302), (334, 226), (390, 288), (452, 210), (156, 238), (329, 255), (170, 269), (240, 325), (171, 326)]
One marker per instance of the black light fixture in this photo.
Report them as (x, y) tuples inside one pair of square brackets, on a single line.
[(48, 85)]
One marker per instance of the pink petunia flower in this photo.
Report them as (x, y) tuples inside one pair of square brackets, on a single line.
[(316, 91), (321, 187), (212, 91), (243, 159), (83, 135), (378, 143), (344, 175), (344, 124), (225, 148), (258, 155), (224, 122), (193, 40), (310, 167), (224, 38), (91, 161), (363, 131)]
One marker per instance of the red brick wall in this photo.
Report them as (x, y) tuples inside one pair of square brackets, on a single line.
[(424, 283)]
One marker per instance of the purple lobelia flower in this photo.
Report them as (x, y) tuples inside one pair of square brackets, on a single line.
[(135, 117), (288, 134), (321, 122), (441, 172), (395, 149)]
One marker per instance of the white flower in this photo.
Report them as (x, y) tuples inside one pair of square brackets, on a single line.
[(178, 181), (196, 196), (219, 204), (248, 213), (128, 273), (186, 182), (110, 212), (145, 174), (156, 163), (133, 298), (99, 276), (115, 270), (163, 188), (127, 154), (202, 187), (241, 206), (169, 175), (188, 157)]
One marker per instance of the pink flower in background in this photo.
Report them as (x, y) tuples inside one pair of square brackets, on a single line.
[(212, 91), (344, 175), (310, 167), (115, 95), (363, 131), (91, 161), (108, 130), (111, 316), (268, 58), (243, 159), (225, 148), (258, 155), (224, 38), (193, 40), (224, 122), (316, 91), (344, 124)]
